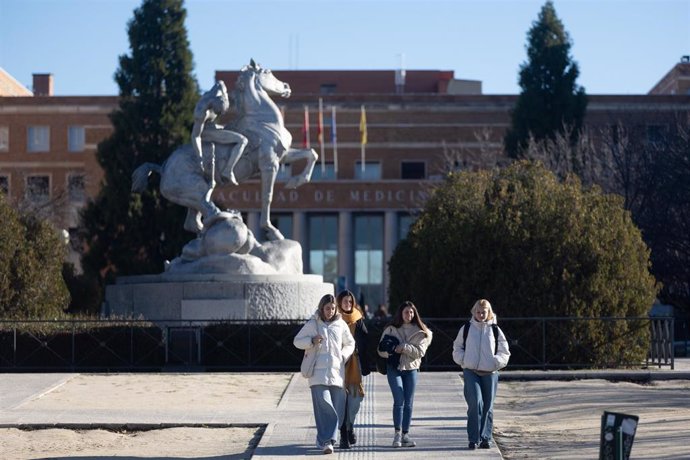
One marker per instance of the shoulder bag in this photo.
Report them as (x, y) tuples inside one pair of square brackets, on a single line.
[(309, 361)]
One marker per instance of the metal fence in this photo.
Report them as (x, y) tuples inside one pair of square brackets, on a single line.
[(535, 343)]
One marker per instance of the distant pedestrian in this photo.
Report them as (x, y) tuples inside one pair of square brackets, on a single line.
[(381, 316), (356, 367), (481, 349), (331, 336), (404, 343)]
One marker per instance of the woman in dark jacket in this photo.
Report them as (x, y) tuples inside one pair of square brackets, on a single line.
[(356, 367)]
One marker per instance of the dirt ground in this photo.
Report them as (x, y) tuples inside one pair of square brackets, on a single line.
[(218, 443), (562, 420), (111, 398)]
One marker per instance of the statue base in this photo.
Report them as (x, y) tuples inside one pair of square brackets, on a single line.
[(198, 297)]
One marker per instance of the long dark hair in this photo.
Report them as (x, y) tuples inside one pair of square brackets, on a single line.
[(347, 293), (397, 320), (325, 300)]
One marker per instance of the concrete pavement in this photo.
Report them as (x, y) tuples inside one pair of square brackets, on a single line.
[(438, 423)]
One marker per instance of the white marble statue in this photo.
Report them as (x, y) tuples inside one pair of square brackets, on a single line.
[(187, 182)]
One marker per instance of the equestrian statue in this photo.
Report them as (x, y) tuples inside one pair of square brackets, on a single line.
[(252, 145)]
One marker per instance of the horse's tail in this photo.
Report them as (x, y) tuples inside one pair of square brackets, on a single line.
[(140, 176)]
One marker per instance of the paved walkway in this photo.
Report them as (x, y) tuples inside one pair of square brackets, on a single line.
[(438, 423)]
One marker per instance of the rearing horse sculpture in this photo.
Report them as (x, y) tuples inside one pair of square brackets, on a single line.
[(260, 120)]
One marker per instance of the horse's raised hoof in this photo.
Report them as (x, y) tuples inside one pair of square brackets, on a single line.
[(232, 179), (296, 181)]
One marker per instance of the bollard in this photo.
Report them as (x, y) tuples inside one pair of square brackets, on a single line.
[(617, 435)]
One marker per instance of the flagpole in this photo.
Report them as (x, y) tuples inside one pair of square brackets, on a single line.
[(320, 136), (305, 129), (334, 141)]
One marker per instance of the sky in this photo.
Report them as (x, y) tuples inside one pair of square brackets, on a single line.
[(621, 46)]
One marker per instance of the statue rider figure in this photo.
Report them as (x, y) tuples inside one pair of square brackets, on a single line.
[(214, 103)]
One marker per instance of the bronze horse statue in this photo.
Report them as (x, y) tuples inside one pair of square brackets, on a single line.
[(259, 119)]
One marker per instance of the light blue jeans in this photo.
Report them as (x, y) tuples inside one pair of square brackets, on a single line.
[(480, 391), (403, 384), (354, 400), (329, 409)]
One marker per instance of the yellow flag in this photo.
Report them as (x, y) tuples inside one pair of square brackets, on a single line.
[(363, 126)]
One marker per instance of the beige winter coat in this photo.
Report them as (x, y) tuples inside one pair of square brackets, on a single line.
[(414, 341)]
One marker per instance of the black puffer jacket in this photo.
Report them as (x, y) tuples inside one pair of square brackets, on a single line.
[(361, 343)]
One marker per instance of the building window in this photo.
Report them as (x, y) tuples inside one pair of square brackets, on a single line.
[(323, 246), (38, 138), (283, 222), (412, 170), (328, 88), (5, 184), (4, 139), (372, 170), (38, 189), (76, 188), (405, 221), (75, 138), (318, 175), (369, 257)]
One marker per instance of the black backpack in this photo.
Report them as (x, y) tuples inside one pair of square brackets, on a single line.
[(466, 331)]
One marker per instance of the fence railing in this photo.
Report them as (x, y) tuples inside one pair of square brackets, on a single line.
[(134, 345)]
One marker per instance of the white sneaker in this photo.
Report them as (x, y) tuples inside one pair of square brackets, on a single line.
[(407, 441), (397, 440), (328, 448)]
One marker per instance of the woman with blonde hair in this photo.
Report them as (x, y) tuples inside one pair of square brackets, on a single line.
[(330, 336), (481, 349), (404, 343)]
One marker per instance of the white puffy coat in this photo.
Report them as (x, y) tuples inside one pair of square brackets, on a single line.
[(336, 348), (478, 352)]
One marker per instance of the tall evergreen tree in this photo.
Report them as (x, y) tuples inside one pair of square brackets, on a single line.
[(551, 100), (128, 233)]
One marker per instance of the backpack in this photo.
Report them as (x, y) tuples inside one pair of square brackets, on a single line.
[(466, 331)]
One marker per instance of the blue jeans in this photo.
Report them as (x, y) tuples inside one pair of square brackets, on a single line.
[(480, 391), (354, 400), (402, 385), (329, 409)]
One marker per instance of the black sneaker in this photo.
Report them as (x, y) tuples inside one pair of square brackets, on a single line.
[(485, 444), (472, 446), (352, 437)]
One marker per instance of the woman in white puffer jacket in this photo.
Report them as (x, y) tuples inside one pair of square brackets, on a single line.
[(330, 334), (481, 350)]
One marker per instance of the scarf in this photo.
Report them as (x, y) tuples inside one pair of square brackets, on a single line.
[(353, 375)]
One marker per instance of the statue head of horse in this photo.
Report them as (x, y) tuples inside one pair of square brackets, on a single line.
[(261, 79)]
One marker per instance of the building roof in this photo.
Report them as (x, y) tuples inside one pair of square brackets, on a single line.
[(357, 81), (9, 86), (676, 81)]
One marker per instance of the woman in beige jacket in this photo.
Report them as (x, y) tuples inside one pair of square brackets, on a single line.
[(404, 342)]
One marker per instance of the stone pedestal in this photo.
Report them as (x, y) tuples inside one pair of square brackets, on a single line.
[(215, 296)]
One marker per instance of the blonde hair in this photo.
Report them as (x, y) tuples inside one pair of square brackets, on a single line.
[(483, 303)]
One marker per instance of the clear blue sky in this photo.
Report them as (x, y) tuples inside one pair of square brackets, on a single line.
[(621, 46)]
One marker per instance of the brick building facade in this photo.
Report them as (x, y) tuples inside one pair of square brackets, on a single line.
[(348, 221)]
